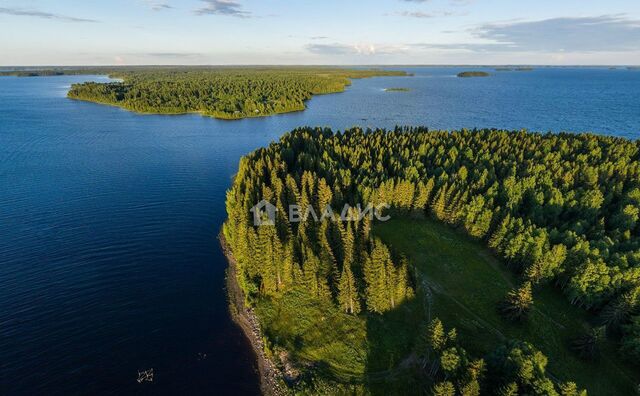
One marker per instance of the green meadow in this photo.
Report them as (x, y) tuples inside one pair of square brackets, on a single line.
[(467, 282)]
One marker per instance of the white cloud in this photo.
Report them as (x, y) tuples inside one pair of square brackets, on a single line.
[(606, 33), (223, 7), (42, 14), (157, 5), (366, 49)]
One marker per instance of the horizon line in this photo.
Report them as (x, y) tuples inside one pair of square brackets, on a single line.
[(322, 65)]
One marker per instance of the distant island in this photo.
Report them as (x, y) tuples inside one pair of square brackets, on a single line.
[(221, 92), (73, 71), (35, 73), (467, 74), (521, 69), (397, 89)]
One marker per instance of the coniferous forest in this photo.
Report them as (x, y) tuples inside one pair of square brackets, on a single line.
[(559, 211), (221, 92)]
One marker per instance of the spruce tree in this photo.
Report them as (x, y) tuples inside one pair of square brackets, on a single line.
[(436, 335), (444, 388), (500, 233), (510, 389), (377, 270), (269, 253), (620, 311), (440, 202), (587, 345), (400, 286), (347, 292), (421, 197), (518, 303)]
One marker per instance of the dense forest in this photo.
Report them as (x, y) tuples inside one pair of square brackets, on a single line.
[(221, 92), (558, 209)]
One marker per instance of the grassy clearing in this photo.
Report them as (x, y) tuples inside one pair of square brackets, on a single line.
[(467, 283), (350, 349), (316, 332)]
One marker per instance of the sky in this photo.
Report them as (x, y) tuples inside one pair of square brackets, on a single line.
[(321, 32)]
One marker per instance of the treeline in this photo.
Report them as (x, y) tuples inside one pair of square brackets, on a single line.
[(35, 73), (228, 93), (560, 208), (29, 72)]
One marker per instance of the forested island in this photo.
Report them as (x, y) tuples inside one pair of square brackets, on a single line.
[(510, 265), (221, 92), (398, 89), (468, 74)]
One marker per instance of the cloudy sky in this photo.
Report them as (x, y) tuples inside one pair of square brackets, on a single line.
[(93, 32)]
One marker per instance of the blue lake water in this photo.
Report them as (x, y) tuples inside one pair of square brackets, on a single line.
[(109, 262)]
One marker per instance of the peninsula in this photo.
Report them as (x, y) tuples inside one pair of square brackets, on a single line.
[(486, 267)]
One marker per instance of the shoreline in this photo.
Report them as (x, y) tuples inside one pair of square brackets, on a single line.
[(270, 376), (196, 112)]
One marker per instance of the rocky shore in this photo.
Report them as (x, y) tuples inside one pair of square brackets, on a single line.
[(271, 377)]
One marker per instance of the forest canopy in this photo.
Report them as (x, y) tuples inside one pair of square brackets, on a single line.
[(560, 209)]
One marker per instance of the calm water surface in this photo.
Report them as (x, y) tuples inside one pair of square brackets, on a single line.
[(109, 262)]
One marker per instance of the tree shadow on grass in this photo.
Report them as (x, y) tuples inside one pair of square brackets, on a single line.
[(392, 339)]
